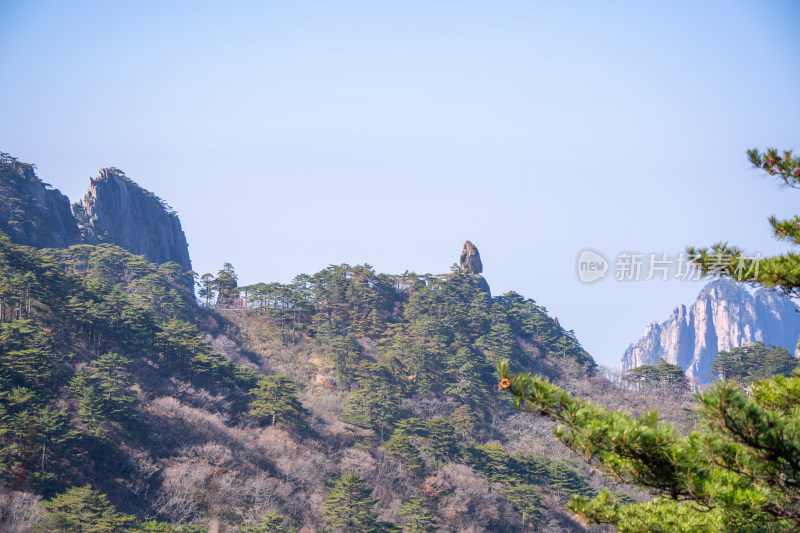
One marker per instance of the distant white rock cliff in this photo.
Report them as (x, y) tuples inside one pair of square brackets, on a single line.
[(724, 316)]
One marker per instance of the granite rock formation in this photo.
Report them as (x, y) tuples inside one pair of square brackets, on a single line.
[(724, 316), (115, 210), (119, 211), (470, 264), (31, 213), (470, 259)]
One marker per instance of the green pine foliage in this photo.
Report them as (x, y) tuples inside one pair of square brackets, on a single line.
[(397, 339), (779, 272), (155, 526), (73, 324), (82, 509), (276, 402), (416, 517), (732, 474), (401, 446), (528, 501), (103, 391), (660, 374), (375, 406), (747, 364), (349, 506), (269, 523), (525, 478)]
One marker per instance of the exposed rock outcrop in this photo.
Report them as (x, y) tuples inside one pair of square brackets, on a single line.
[(119, 211), (470, 264), (31, 213), (115, 210), (470, 260), (724, 316)]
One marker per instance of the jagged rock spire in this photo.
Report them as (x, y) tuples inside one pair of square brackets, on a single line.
[(470, 264), (470, 258)]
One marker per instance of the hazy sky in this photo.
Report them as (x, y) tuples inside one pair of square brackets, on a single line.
[(293, 135)]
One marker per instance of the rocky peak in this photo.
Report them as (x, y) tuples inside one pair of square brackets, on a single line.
[(724, 316), (470, 259), (115, 210), (470, 264), (32, 213), (118, 211)]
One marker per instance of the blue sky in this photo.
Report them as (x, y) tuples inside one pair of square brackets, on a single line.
[(293, 135)]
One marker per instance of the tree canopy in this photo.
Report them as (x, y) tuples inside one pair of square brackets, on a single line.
[(662, 373), (737, 472), (82, 509), (747, 364), (276, 401), (348, 505)]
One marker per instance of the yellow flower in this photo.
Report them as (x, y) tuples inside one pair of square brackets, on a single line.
[(504, 384)]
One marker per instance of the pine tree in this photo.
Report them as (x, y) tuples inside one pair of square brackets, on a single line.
[(663, 373), (732, 474), (564, 480), (500, 343), (527, 501), (225, 282), (276, 402), (780, 272), (374, 406), (401, 446), (492, 460), (531, 469), (415, 517), (349, 506), (465, 371), (441, 438), (90, 403), (113, 383), (269, 523), (465, 423), (81, 509), (154, 526), (206, 289), (746, 364)]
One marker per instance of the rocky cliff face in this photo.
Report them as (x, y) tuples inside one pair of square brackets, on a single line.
[(724, 316), (115, 210), (119, 211), (470, 263), (30, 212)]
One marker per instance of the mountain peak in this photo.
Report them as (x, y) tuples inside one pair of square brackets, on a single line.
[(31, 213), (470, 258), (725, 315), (471, 265), (118, 210)]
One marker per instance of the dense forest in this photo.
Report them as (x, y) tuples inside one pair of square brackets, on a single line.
[(274, 403), (345, 400)]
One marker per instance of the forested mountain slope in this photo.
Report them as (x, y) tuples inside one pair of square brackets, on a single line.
[(346, 400)]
